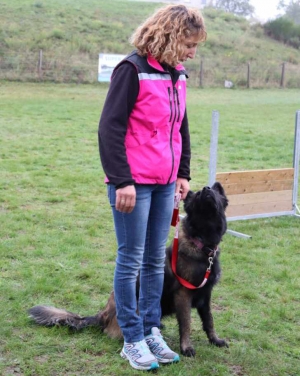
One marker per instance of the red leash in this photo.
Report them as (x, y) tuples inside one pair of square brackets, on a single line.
[(175, 222)]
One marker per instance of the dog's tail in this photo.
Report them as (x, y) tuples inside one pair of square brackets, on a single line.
[(50, 316), (105, 320)]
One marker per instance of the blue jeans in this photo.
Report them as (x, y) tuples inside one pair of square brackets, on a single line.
[(141, 236)]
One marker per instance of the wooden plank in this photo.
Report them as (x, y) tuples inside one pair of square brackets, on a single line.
[(234, 177), (260, 198), (268, 186), (250, 209), (259, 203), (258, 191)]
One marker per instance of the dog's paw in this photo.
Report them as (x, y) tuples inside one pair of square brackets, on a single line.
[(189, 352), (219, 342)]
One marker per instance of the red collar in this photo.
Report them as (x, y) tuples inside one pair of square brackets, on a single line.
[(183, 281), (199, 244)]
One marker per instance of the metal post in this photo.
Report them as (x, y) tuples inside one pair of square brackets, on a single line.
[(248, 76), (296, 163), (40, 64), (238, 234), (213, 148), (201, 73), (213, 162), (282, 76)]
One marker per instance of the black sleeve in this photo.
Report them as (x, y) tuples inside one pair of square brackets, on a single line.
[(184, 166), (120, 100)]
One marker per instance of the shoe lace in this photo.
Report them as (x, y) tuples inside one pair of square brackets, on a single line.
[(136, 350), (157, 343)]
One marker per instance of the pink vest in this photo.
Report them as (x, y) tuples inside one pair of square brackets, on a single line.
[(153, 141)]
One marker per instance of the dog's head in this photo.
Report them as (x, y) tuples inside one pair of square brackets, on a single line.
[(205, 211)]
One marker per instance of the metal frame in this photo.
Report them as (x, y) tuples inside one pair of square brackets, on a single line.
[(296, 164), (213, 172)]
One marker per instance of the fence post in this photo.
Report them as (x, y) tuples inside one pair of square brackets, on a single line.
[(201, 73), (213, 156), (282, 76), (40, 64), (248, 76)]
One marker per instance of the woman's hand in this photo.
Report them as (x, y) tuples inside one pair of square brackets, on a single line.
[(182, 187), (125, 199)]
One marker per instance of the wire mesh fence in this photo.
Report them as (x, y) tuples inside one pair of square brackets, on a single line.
[(211, 73), (203, 72)]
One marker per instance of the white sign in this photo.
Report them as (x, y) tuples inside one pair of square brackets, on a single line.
[(107, 62), (228, 84)]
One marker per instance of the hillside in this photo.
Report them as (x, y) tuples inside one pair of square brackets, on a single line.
[(72, 34)]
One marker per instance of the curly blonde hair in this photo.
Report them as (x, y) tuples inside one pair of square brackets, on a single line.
[(164, 33)]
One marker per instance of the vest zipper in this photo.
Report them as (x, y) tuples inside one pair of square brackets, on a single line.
[(178, 103), (170, 101), (172, 129)]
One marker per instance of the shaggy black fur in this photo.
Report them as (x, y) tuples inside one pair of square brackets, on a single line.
[(205, 221)]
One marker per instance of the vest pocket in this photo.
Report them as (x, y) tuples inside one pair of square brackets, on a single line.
[(134, 139)]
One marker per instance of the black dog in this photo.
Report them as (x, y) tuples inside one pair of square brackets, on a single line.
[(198, 257)]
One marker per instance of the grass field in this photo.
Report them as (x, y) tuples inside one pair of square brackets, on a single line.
[(57, 240), (72, 33)]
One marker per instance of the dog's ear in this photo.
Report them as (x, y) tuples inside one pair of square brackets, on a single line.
[(219, 188), (188, 200)]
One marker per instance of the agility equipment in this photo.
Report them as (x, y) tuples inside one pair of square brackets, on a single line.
[(257, 193)]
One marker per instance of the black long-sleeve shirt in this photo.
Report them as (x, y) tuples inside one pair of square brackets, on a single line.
[(120, 100)]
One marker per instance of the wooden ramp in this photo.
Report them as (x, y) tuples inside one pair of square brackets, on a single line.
[(258, 192)]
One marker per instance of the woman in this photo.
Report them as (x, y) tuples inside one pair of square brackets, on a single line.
[(145, 152)]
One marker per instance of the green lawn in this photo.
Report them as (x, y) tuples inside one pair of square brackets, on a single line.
[(72, 33), (57, 240)]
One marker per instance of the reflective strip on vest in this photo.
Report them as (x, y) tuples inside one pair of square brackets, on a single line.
[(158, 76)]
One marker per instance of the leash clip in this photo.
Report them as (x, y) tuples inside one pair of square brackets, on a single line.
[(210, 260)]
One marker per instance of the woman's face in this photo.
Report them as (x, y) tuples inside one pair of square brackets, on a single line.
[(189, 47)]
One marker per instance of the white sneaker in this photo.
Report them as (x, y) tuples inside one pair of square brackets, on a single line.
[(139, 355), (159, 348)]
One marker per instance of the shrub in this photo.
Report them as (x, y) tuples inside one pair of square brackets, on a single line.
[(57, 34), (258, 30), (295, 42), (211, 13), (283, 30), (38, 5)]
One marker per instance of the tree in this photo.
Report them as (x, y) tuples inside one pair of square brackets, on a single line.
[(284, 30), (238, 7), (291, 9)]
